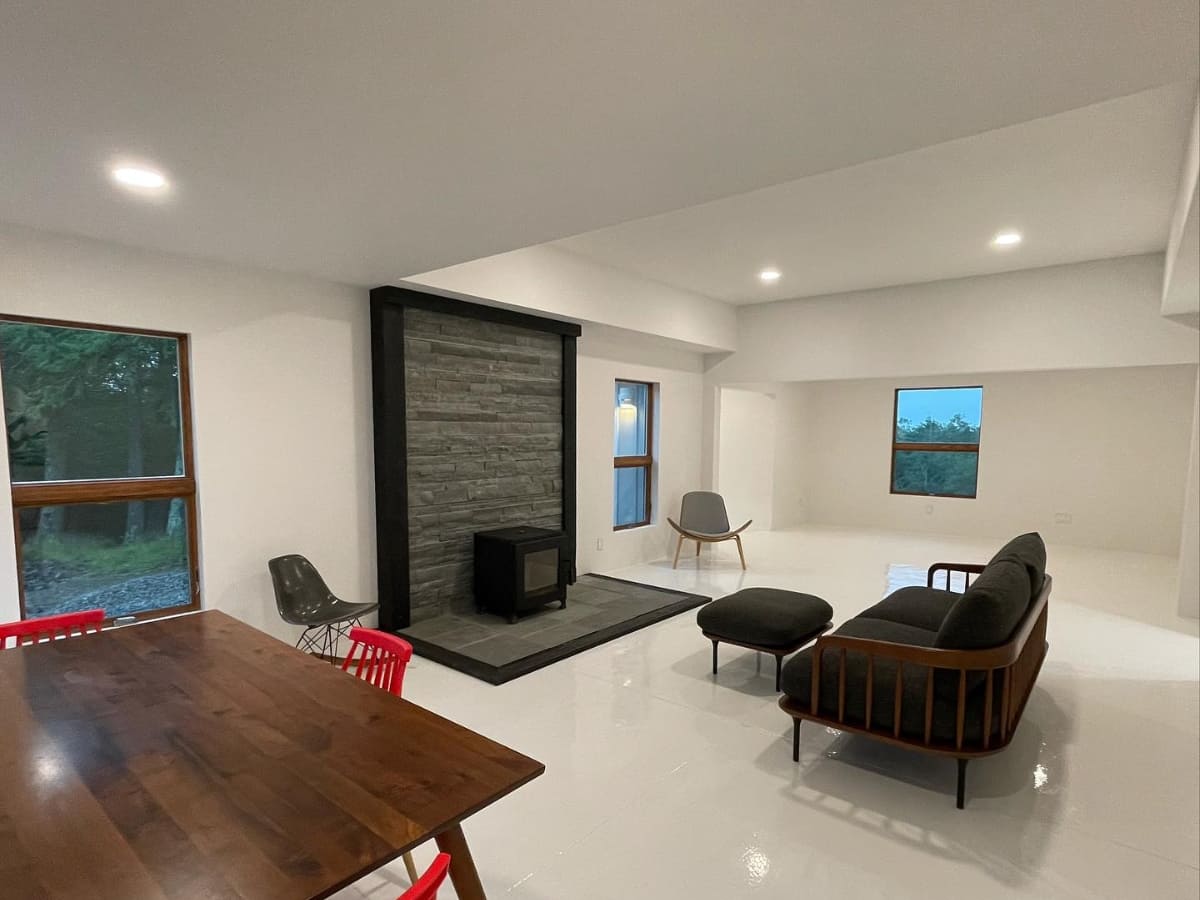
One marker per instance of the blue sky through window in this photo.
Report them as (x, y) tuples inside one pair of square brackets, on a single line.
[(940, 404)]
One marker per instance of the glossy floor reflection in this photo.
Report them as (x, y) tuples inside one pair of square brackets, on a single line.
[(660, 779)]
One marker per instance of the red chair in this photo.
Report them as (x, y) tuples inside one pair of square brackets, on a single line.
[(49, 628), (426, 887), (382, 658)]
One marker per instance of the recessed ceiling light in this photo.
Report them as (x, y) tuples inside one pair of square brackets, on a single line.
[(139, 178), (769, 275), (1007, 239)]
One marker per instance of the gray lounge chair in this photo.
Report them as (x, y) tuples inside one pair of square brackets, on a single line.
[(703, 519)]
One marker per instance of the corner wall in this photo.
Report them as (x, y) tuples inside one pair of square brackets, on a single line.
[(746, 467), (281, 395), (1109, 447), (1189, 544), (604, 356)]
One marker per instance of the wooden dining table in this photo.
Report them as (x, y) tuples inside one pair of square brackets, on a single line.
[(196, 756)]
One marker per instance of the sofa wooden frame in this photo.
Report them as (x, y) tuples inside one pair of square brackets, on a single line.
[(1016, 664)]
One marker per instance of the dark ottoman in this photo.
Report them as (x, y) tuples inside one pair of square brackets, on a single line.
[(765, 619)]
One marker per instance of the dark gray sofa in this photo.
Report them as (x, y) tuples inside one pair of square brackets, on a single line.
[(931, 669)]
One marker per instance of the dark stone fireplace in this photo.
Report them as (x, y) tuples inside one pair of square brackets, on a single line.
[(474, 416)]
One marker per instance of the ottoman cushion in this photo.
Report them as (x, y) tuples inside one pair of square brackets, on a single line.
[(765, 616)]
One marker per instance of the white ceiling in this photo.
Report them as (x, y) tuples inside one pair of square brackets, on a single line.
[(371, 140), (1087, 184)]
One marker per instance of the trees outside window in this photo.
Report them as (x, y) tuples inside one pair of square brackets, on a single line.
[(100, 459), (935, 441)]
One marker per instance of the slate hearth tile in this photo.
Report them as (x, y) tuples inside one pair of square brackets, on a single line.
[(500, 649), (559, 634), (595, 592), (630, 606), (572, 613), (457, 634), (436, 626), (603, 619)]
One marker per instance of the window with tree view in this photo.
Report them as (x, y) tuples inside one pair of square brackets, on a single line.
[(100, 461), (633, 459), (935, 441)]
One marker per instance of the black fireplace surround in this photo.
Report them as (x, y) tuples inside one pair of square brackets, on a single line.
[(510, 363)]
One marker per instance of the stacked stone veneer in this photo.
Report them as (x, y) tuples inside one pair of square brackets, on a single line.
[(485, 443)]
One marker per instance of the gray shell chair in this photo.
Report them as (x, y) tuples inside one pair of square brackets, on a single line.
[(303, 598), (703, 519)]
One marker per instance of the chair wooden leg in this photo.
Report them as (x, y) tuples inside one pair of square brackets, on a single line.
[(741, 552), (697, 548), (795, 740), (411, 866), (961, 799), (678, 547)]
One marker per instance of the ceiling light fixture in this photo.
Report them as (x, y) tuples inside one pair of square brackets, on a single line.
[(1007, 239), (139, 178), (769, 275)]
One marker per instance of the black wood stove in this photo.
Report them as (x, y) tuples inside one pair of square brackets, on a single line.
[(518, 570)]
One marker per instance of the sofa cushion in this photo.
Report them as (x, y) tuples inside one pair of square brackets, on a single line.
[(796, 681), (990, 609), (1029, 550), (921, 607), (765, 616)]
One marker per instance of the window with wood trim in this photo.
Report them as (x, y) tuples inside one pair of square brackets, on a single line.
[(935, 441), (99, 433), (633, 454)]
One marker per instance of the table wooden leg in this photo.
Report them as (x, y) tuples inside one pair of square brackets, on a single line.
[(462, 868), (411, 866)]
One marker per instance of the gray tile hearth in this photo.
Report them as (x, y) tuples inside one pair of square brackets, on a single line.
[(598, 610)]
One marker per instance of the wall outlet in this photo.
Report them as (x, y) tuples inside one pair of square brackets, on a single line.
[(1062, 518), (599, 543)]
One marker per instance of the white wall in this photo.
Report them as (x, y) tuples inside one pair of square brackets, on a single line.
[(281, 394), (746, 465), (1108, 446), (792, 462), (553, 281), (1181, 279), (606, 355), (1089, 315), (1189, 544)]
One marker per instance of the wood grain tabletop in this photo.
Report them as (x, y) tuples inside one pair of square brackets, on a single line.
[(198, 757)]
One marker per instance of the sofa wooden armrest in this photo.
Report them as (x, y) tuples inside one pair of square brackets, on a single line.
[(967, 569)]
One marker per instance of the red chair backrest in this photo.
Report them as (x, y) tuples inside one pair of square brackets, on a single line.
[(427, 885), (30, 631), (381, 658)]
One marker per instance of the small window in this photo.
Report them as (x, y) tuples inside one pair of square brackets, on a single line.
[(100, 463), (633, 449), (935, 441)]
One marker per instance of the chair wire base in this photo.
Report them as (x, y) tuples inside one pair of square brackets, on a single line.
[(323, 640)]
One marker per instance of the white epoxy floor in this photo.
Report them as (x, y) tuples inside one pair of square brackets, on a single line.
[(661, 783)]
